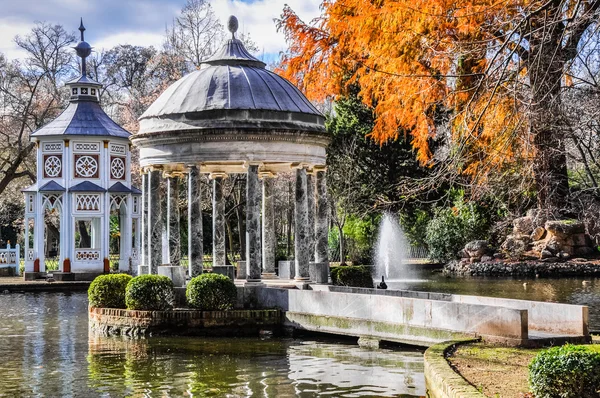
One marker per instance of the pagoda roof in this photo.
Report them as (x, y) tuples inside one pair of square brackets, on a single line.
[(52, 186), (87, 186), (83, 118)]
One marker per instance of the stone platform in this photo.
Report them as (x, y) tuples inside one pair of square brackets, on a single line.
[(183, 322)]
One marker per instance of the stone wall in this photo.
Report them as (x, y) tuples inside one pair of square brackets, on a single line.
[(574, 267), (112, 321)]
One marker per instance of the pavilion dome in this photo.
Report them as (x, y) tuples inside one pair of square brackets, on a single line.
[(234, 100)]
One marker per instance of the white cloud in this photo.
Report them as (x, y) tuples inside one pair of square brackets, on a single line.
[(134, 38), (256, 18), (9, 28)]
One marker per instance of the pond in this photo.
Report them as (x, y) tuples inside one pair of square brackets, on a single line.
[(46, 351)]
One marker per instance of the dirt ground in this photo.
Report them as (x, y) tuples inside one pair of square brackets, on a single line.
[(496, 371)]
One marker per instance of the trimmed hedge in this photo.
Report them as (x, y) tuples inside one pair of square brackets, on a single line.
[(211, 292), (108, 291), (568, 371), (150, 293), (352, 275)]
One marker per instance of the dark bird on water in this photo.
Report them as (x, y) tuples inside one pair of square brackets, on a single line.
[(382, 285)]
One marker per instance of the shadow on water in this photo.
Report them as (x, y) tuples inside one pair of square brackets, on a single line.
[(47, 351)]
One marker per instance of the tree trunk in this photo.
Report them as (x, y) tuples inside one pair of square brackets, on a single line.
[(342, 244), (85, 239), (546, 68)]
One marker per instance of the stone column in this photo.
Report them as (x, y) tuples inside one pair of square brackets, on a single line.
[(218, 220), (253, 246), (310, 203), (301, 246), (269, 240), (322, 223), (144, 219), (195, 235), (174, 231), (164, 216), (155, 225)]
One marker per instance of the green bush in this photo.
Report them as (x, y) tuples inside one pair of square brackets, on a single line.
[(451, 228), (211, 292), (352, 275), (150, 292), (108, 291), (565, 372)]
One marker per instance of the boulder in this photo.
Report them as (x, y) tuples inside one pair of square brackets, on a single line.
[(499, 256), (538, 233), (563, 255), (565, 228), (546, 254), (477, 248), (515, 245), (486, 258), (463, 254), (523, 225), (580, 240), (584, 251)]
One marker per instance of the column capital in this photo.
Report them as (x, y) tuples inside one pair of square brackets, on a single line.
[(155, 167), (320, 167), (266, 174), (298, 165), (170, 174), (217, 174)]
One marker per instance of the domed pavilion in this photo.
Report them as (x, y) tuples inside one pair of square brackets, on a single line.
[(83, 186), (233, 116)]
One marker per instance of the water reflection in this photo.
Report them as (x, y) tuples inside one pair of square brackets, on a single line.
[(46, 351)]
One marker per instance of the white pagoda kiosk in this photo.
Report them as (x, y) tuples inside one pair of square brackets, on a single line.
[(83, 210)]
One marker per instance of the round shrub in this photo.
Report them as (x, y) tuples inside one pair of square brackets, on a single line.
[(352, 275), (568, 371), (150, 293), (108, 291), (211, 292)]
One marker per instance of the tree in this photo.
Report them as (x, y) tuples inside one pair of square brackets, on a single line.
[(498, 66), (196, 33), (29, 96)]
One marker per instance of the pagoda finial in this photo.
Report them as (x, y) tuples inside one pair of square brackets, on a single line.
[(232, 25), (83, 49), (81, 29)]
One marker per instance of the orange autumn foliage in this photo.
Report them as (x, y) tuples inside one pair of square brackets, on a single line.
[(415, 59)]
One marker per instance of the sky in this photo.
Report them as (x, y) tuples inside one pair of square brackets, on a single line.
[(143, 22)]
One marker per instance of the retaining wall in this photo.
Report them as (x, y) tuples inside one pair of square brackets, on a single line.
[(112, 321), (543, 317), (408, 320)]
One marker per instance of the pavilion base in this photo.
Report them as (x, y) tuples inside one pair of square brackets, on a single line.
[(227, 270), (31, 276), (269, 275), (319, 272), (241, 270), (63, 276), (287, 270)]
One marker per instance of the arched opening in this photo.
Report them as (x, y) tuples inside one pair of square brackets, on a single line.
[(118, 233), (52, 211)]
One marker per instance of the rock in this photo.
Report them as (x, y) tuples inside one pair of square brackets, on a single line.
[(538, 233), (485, 259), (477, 248), (563, 255), (515, 245), (584, 251), (499, 256), (523, 225), (546, 254), (552, 245), (474, 260), (463, 254), (565, 228), (580, 240)]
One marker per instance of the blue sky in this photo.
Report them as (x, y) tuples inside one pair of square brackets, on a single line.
[(142, 22)]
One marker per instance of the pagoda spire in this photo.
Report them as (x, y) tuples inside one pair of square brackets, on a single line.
[(83, 49)]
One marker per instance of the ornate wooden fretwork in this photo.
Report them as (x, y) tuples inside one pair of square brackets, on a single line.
[(86, 166), (53, 166), (117, 168), (87, 202)]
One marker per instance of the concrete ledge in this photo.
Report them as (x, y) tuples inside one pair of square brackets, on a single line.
[(441, 380), (371, 330), (114, 321)]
